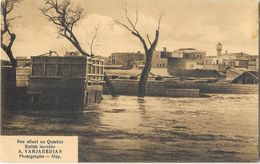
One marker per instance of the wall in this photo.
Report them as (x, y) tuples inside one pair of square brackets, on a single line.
[(153, 88), (22, 76), (59, 66), (158, 61), (126, 58), (216, 87), (168, 88), (65, 81), (221, 68), (176, 65)]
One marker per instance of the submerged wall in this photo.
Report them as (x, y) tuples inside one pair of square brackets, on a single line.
[(153, 88), (180, 89)]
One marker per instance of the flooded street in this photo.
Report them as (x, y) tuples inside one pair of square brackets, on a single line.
[(153, 129)]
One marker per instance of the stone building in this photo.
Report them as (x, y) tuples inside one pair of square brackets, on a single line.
[(185, 59), (160, 58), (127, 59), (222, 61), (137, 59)]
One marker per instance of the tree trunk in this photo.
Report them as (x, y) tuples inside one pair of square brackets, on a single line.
[(110, 86), (145, 74), (12, 59), (10, 55)]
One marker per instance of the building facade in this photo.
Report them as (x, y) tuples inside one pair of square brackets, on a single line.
[(160, 58), (185, 59), (222, 61), (127, 59)]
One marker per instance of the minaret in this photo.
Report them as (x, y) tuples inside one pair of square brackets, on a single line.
[(219, 49)]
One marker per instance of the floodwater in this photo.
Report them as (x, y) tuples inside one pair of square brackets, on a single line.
[(153, 129)]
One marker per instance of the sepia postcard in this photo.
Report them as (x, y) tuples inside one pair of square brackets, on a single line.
[(129, 81)]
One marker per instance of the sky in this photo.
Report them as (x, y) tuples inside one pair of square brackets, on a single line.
[(197, 24)]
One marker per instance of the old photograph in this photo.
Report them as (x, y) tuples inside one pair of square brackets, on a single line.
[(133, 80)]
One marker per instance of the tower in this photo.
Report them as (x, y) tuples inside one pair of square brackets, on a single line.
[(219, 49)]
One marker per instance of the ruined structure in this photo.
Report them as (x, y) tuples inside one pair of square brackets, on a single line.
[(71, 80)]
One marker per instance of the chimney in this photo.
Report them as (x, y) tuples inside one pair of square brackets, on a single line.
[(164, 49)]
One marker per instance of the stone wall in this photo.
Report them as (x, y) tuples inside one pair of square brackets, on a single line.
[(22, 76), (180, 89), (216, 87), (153, 88)]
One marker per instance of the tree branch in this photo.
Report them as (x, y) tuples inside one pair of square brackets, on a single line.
[(65, 17), (159, 22), (133, 29), (136, 19), (6, 7), (148, 39), (93, 39)]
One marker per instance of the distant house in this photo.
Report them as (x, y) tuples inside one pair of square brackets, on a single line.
[(212, 63), (223, 61), (185, 59), (242, 76), (160, 58), (137, 59), (253, 63), (105, 59), (126, 58)]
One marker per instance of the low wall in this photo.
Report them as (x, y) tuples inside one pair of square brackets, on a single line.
[(216, 87), (22, 76), (153, 88), (180, 89)]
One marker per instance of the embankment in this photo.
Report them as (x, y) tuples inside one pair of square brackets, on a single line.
[(180, 89)]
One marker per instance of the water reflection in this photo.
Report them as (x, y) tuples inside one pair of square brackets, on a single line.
[(141, 103), (127, 128)]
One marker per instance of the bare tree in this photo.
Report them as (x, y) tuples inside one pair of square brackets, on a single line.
[(62, 14), (93, 40), (148, 45), (6, 7)]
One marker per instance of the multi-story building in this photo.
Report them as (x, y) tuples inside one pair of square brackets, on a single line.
[(126, 58), (160, 58), (185, 59), (230, 60), (253, 63), (137, 59)]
